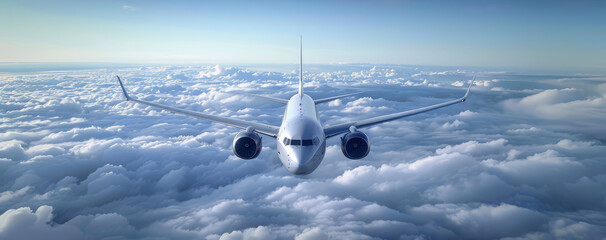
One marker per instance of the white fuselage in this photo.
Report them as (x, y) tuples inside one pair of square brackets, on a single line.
[(301, 140)]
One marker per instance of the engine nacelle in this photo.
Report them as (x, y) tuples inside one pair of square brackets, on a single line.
[(247, 144), (354, 144)]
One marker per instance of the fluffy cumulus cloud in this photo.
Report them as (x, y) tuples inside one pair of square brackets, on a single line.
[(583, 109), (523, 158)]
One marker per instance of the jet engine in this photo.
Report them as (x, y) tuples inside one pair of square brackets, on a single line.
[(247, 144), (354, 144)]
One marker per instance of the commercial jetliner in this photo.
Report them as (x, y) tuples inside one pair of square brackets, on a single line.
[(301, 138)]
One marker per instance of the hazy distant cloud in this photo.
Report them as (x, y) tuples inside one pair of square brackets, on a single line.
[(581, 109), (77, 161), (128, 7)]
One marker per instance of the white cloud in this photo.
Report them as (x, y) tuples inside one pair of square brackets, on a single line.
[(468, 113), (8, 195), (458, 83), (258, 233), (524, 130), (473, 147), (575, 107), (12, 149), (569, 144), (79, 162), (23, 223), (335, 103), (311, 233), (454, 124)]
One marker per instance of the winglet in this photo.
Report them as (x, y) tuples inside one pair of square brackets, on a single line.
[(469, 88), (301, 66), (123, 90)]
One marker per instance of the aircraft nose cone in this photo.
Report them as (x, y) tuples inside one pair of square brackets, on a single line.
[(301, 161), (293, 166), (303, 156)]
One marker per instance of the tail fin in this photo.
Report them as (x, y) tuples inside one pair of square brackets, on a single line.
[(301, 66)]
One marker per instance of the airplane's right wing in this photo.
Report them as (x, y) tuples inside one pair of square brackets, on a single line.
[(328, 99), (265, 129), (331, 131)]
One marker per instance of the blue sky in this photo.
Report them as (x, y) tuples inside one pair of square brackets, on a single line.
[(530, 34)]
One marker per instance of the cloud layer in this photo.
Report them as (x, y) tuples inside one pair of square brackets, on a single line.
[(522, 159)]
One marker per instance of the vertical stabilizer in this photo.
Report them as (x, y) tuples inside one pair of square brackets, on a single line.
[(301, 67)]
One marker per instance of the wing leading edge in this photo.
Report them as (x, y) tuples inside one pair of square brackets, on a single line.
[(265, 129), (331, 131), (328, 99), (280, 100)]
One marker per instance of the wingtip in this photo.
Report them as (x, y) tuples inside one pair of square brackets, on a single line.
[(469, 88), (123, 89)]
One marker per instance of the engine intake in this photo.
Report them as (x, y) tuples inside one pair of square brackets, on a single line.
[(247, 144), (354, 144)]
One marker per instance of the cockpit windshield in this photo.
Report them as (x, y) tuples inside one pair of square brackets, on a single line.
[(299, 142)]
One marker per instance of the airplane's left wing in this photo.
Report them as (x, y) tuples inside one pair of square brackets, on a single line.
[(280, 100), (265, 129), (332, 131)]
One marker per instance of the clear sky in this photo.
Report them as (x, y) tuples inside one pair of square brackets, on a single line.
[(532, 34)]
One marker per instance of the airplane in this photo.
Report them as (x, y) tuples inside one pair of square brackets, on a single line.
[(301, 138)]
